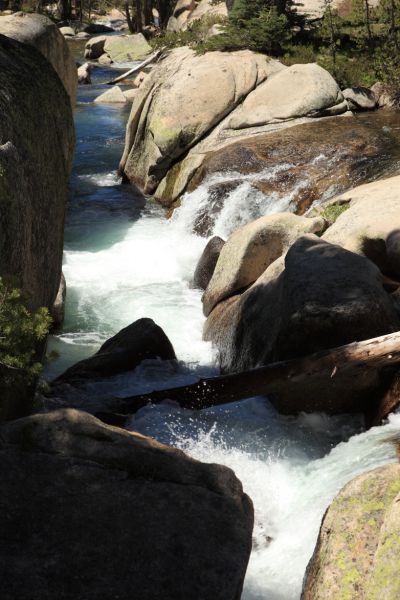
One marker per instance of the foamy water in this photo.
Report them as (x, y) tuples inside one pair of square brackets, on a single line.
[(123, 260)]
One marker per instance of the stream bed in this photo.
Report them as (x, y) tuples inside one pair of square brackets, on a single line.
[(124, 260)]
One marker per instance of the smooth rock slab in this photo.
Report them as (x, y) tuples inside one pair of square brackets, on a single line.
[(90, 511)]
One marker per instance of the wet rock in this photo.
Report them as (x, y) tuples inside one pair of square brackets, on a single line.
[(251, 249), (371, 224), (125, 512), (112, 96), (294, 166), (83, 35), (84, 74), (323, 296), (206, 265), (41, 33), (58, 308), (360, 98), (358, 547), (141, 340)]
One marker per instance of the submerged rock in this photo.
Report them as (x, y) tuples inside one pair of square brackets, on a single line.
[(358, 548), (126, 514), (207, 262), (141, 340), (41, 33)]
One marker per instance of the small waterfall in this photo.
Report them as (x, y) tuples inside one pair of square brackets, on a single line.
[(123, 261)]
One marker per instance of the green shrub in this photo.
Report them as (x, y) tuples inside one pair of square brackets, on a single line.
[(21, 331)]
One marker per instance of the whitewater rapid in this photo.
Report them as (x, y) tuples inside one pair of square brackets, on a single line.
[(124, 260)]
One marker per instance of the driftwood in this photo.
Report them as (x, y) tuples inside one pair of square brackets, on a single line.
[(143, 64), (343, 379)]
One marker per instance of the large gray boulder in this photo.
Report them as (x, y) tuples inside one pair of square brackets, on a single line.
[(36, 148), (173, 109), (251, 249), (357, 553), (305, 90), (91, 511), (320, 296), (41, 33)]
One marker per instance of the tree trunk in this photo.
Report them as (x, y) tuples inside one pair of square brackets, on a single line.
[(128, 17), (344, 379)]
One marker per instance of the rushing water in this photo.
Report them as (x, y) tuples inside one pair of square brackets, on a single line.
[(124, 260)]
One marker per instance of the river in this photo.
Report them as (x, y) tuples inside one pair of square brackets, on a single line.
[(124, 260)]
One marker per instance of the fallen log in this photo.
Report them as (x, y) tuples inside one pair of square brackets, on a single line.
[(339, 380), (143, 64)]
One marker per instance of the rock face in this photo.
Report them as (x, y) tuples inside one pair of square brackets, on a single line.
[(251, 249), (35, 161), (41, 33), (127, 513), (371, 224), (357, 553), (141, 340), (206, 265), (120, 48), (321, 297)]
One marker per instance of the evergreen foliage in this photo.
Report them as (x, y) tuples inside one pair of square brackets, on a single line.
[(20, 332)]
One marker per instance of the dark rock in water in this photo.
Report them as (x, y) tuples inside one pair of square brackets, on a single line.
[(322, 297), (97, 28), (141, 340), (206, 265), (90, 511)]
